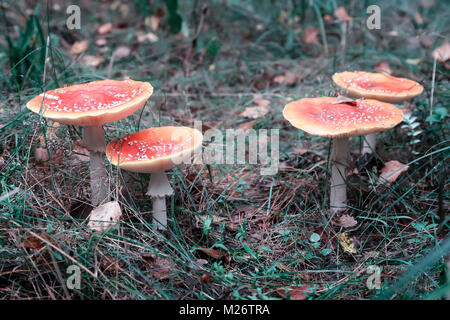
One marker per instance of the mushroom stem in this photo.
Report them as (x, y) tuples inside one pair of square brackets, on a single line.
[(339, 160), (94, 140), (158, 188), (369, 144)]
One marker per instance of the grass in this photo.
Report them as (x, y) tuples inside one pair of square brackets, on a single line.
[(267, 232)]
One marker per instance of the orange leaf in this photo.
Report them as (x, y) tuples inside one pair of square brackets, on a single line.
[(310, 35), (391, 171), (105, 28)]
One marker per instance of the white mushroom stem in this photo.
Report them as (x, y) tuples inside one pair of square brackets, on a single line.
[(369, 144), (339, 160), (94, 140), (159, 188)]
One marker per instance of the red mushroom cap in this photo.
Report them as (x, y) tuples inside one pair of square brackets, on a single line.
[(92, 103), (154, 149), (377, 86), (327, 118)]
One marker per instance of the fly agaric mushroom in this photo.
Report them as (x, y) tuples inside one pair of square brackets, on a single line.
[(376, 86), (326, 117), (155, 150), (91, 105)]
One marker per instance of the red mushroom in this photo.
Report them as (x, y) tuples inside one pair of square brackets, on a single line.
[(155, 151), (91, 105), (326, 117), (376, 86)]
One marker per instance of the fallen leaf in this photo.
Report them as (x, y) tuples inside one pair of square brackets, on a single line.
[(310, 35), (215, 219), (295, 292), (391, 171), (254, 112), (41, 154), (218, 254), (347, 221), (261, 102), (343, 99), (105, 28), (121, 52), (162, 268), (105, 216), (288, 78), (92, 61), (206, 277), (383, 67), (442, 53), (33, 242), (346, 243), (150, 37), (245, 126), (341, 14), (79, 46), (101, 42), (418, 18)]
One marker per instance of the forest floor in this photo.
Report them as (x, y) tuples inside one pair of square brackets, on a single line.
[(233, 233)]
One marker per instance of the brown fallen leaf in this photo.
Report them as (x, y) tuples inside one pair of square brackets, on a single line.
[(347, 221), (41, 154), (342, 15), (383, 67), (260, 101), (79, 46), (121, 52), (310, 35), (206, 277), (105, 216), (150, 37), (33, 242), (442, 53), (254, 112), (295, 292), (391, 171), (346, 243), (105, 28), (288, 78), (218, 254), (92, 61), (160, 268), (101, 42)]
